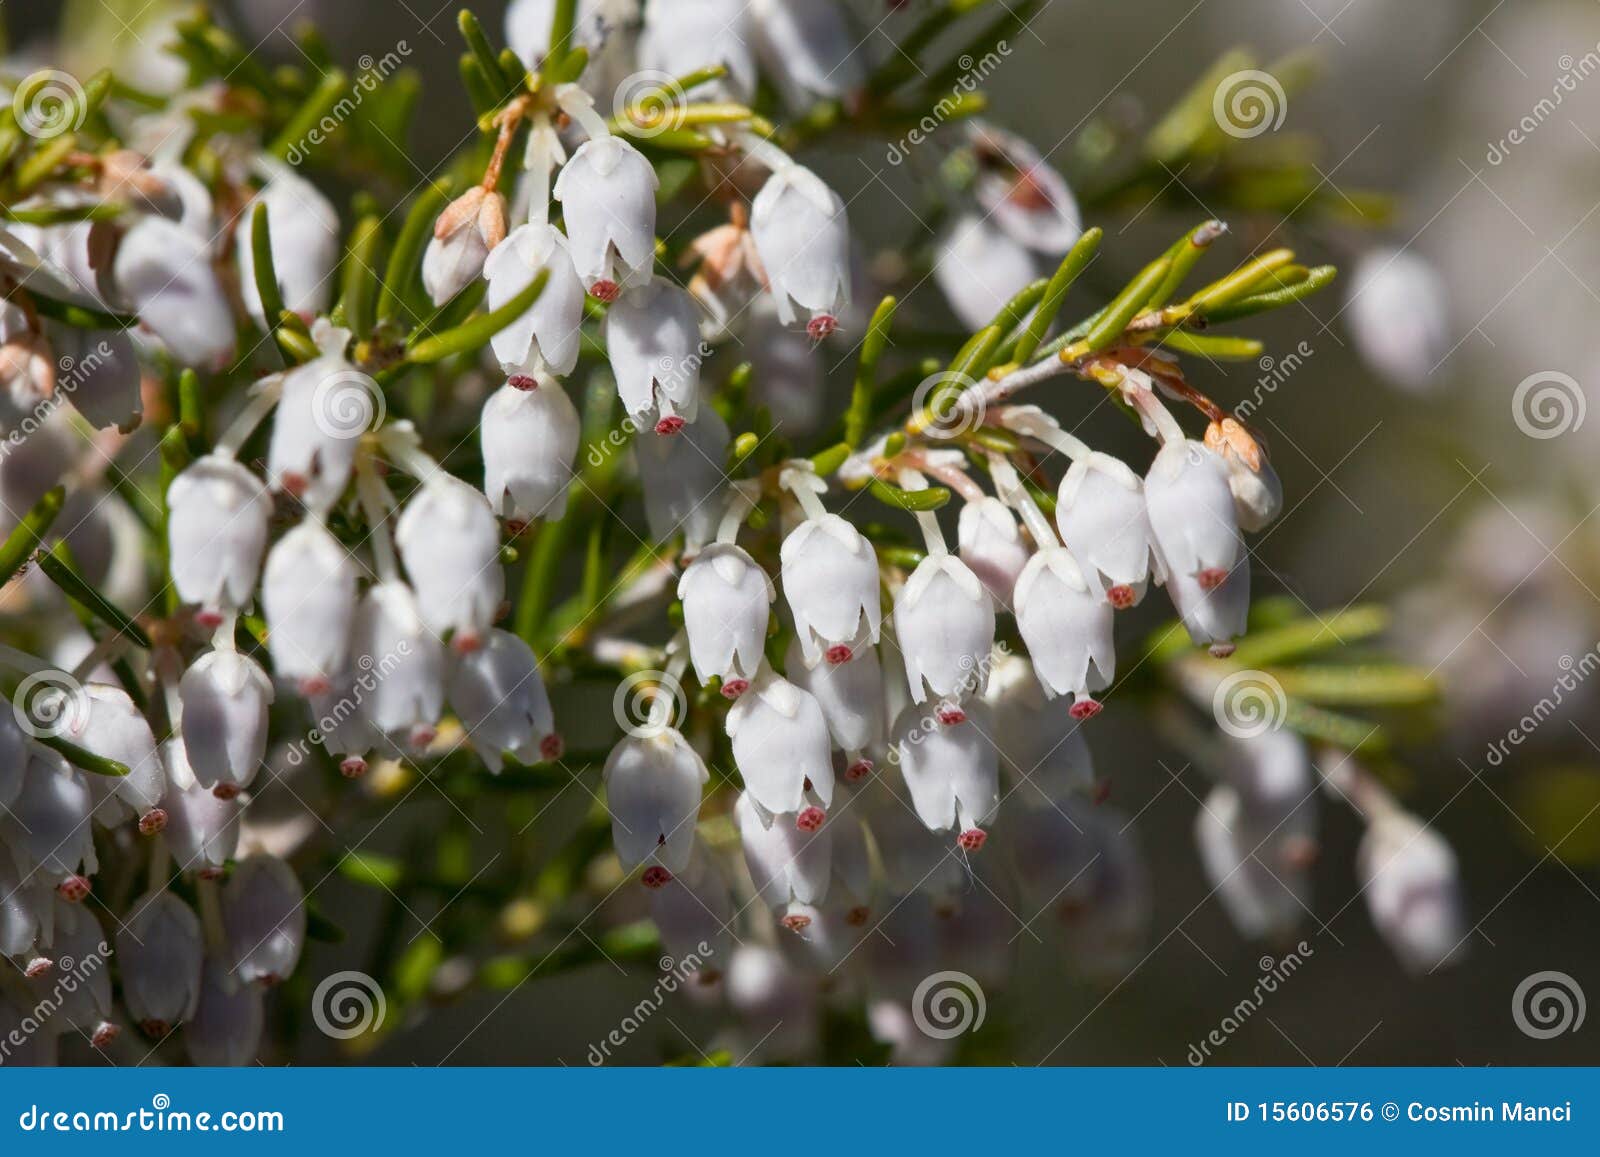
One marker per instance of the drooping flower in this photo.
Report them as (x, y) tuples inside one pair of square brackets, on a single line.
[(944, 622), (681, 36), (1257, 491), (952, 771), (781, 745), (1412, 885), (653, 785), (851, 697), (1027, 198), (308, 591), (217, 515), (979, 267), (830, 581), (1265, 894), (802, 232), (202, 828), (100, 375), (160, 952), (1100, 510), (1398, 312), (789, 861), (225, 700), (228, 1018), (807, 49), (992, 546), (264, 914), (693, 912), (164, 272), (546, 336), (449, 540), (47, 827), (683, 479), (305, 244), (726, 596), (325, 406), (392, 638), (107, 722), (1043, 749), (607, 191), (1067, 628), (1196, 529), (529, 437), (653, 340), (500, 698)]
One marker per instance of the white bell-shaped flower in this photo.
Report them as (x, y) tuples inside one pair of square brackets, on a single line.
[(449, 540), (202, 828), (830, 581), (341, 726), (1024, 195), (470, 226), (308, 592), (683, 479), (1043, 749), (27, 906), (1412, 884), (228, 1019), (47, 827), (217, 515), (546, 336), (98, 372), (225, 700), (991, 544), (1213, 616), (528, 24), (529, 434), (14, 749), (802, 233), (325, 407), (1067, 628), (1257, 490), (1263, 895), (726, 596), (264, 914), (789, 860), (952, 771), (1273, 775), (807, 50), (915, 860), (164, 272), (81, 997), (944, 622), (979, 267), (1398, 312), (391, 638), (607, 192), (1100, 510), (781, 745), (500, 698), (305, 245), (851, 697), (1191, 511), (160, 952), (652, 337), (653, 783), (106, 721), (681, 36)]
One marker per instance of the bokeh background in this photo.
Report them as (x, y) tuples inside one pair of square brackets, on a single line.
[(1431, 497)]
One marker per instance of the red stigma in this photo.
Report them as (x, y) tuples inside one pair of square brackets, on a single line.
[(1211, 578), (972, 839), (821, 326), (796, 922), (515, 526), (38, 966), (655, 876), (839, 653), (226, 791), (1120, 596), (1222, 650), (669, 425), (422, 735), (152, 822), (315, 685), (154, 1029), (211, 873), (524, 382), (810, 819), (466, 643), (74, 889), (208, 619), (1084, 709), (858, 770), (295, 484), (734, 688), (605, 290), (551, 747), (353, 767), (104, 1033), (856, 917), (950, 715)]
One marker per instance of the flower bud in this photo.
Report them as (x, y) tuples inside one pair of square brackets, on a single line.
[(1196, 530), (944, 622), (217, 516), (164, 272), (392, 640), (1413, 888), (607, 192), (952, 770), (803, 236), (450, 543), (470, 226), (807, 50), (1067, 628), (160, 953), (228, 1019), (992, 546), (308, 592), (780, 745), (725, 599), (547, 335), (305, 245), (1257, 492), (653, 784), (224, 722), (1100, 510), (264, 914), (830, 581), (202, 828), (498, 695), (652, 336), (683, 480)]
